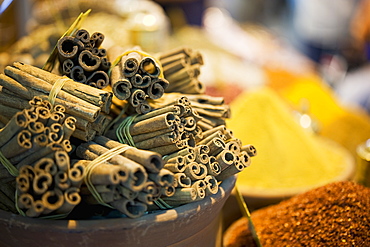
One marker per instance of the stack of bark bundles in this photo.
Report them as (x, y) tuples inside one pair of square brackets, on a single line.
[(128, 181), (180, 148), (164, 130), (88, 105), (82, 59), (217, 154), (136, 78), (34, 146), (207, 155), (198, 170), (181, 67), (212, 110)]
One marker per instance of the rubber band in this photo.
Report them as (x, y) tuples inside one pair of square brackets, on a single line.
[(16, 204), (123, 111), (162, 204), (123, 131), (54, 216), (144, 54), (9, 166), (58, 85), (96, 162)]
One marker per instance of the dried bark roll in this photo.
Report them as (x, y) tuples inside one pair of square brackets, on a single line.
[(250, 149), (136, 173), (195, 171), (181, 196), (213, 166), (150, 160), (211, 185), (225, 159), (176, 164), (16, 123), (98, 79), (133, 209), (97, 39), (159, 122), (88, 61), (71, 199), (157, 88), (96, 96), (68, 48), (181, 180), (122, 89)]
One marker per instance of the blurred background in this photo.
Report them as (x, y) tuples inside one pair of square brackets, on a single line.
[(312, 55), (329, 37)]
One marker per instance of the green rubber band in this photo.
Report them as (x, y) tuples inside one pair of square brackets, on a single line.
[(9, 166), (96, 162), (159, 205), (54, 217), (123, 111), (162, 204), (16, 204), (123, 131)]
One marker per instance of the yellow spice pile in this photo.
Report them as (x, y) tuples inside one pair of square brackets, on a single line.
[(290, 159)]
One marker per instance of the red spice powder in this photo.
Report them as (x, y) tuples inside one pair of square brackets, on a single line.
[(337, 214)]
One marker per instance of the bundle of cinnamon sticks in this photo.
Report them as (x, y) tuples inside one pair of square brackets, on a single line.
[(136, 77), (163, 130), (212, 110), (34, 147), (181, 67), (49, 187), (82, 58), (198, 170), (88, 105), (210, 154), (128, 182)]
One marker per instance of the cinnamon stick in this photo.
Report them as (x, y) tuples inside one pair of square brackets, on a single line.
[(71, 199), (16, 123), (150, 160), (181, 180), (95, 96), (163, 178), (213, 166), (41, 182), (176, 164), (45, 165), (181, 196), (250, 149), (226, 158), (137, 175), (33, 82), (18, 144), (133, 209), (195, 171), (52, 200), (211, 185)]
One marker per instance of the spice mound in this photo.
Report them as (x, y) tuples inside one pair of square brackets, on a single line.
[(336, 214), (292, 160)]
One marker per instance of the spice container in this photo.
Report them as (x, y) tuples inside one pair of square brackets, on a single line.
[(194, 224)]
